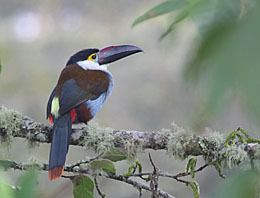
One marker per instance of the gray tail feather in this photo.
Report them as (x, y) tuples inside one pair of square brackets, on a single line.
[(62, 130)]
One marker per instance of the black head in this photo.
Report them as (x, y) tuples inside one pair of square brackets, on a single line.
[(105, 55), (81, 55)]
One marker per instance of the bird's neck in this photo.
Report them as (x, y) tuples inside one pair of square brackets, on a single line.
[(91, 65)]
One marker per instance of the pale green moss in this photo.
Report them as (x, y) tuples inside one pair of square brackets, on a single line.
[(181, 143), (132, 149), (10, 123), (178, 137), (212, 145), (233, 156), (215, 137), (100, 139), (228, 156)]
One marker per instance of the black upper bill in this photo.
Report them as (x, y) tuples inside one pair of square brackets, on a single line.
[(114, 53)]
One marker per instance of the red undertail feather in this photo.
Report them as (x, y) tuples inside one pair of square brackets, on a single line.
[(51, 119), (73, 115), (56, 173)]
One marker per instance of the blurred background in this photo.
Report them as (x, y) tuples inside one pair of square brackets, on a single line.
[(204, 73)]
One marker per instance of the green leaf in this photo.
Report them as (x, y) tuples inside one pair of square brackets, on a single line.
[(83, 187), (191, 166), (163, 8), (195, 188), (0, 66), (242, 137), (28, 184), (115, 155), (218, 167), (131, 170), (139, 166), (253, 140), (183, 14), (230, 140), (103, 164)]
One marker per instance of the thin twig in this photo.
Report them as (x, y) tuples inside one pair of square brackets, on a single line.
[(154, 179), (165, 174), (140, 193), (101, 194), (44, 167), (184, 174), (139, 185), (71, 167)]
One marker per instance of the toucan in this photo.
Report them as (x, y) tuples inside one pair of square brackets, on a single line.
[(82, 88)]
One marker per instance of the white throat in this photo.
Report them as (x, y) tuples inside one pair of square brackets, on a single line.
[(91, 65)]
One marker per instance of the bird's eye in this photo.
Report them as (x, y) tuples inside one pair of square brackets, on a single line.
[(92, 57)]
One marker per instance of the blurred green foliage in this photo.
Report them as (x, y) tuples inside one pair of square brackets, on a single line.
[(225, 64), (5, 190), (226, 60), (242, 184), (163, 8), (205, 13), (26, 186)]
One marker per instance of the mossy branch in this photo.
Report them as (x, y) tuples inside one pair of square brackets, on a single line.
[(176, 140), (116, 145)]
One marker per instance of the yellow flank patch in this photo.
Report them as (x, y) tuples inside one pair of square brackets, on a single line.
[(55, 106)]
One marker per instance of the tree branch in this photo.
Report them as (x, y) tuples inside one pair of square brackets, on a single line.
[(139, 185), (38, 132), (6, 164), (176, 140)]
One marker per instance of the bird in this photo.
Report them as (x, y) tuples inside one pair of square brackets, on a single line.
[(83, 86)]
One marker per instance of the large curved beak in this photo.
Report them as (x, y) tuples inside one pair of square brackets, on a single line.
[(114, 53)]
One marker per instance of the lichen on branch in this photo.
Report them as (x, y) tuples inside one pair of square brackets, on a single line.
[(115, 145), (176, 141), (10, 123)]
